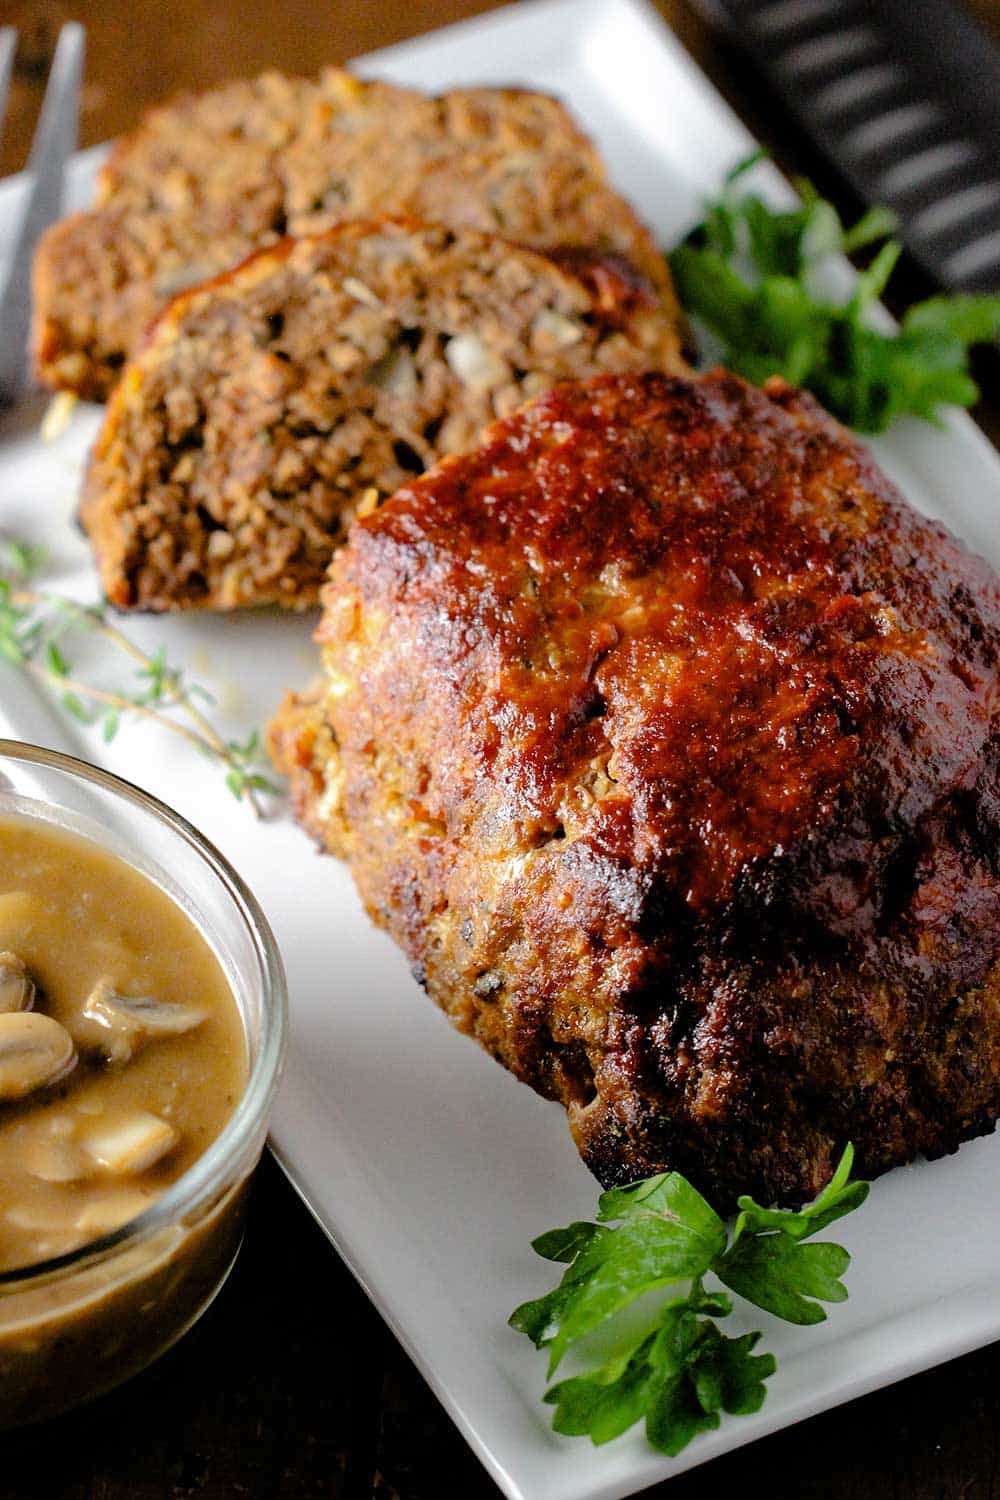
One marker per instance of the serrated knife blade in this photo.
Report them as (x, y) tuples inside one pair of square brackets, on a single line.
[(904, 96)]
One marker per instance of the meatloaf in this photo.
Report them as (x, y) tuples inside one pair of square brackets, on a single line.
[(319, 376), (661, 733), (206, 180)]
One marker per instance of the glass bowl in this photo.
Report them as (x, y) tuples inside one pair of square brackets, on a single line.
[(74, 1326)]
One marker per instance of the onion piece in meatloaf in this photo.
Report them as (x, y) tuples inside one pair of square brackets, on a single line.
[(662, 735), (320, 375), (208, 178)]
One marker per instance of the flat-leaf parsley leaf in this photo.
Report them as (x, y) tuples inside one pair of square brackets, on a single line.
[(680, 1375), (748, 272)]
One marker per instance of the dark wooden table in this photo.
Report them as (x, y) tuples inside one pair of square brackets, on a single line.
[(291, 1385)]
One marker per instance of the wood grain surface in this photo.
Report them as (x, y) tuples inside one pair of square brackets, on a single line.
[(291, 1386)]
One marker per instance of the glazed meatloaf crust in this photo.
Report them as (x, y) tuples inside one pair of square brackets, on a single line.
[(320, 375), (206, 180), (662, 735)]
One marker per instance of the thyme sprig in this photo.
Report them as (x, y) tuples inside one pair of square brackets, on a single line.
[(34, 625)]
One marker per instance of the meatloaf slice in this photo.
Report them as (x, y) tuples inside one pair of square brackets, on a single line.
[(209, 178), (269, 404), (662, 735)]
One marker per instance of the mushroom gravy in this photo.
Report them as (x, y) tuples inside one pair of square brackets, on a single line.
[(122, 1051)]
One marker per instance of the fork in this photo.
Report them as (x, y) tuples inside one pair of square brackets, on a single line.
[(54, 143)]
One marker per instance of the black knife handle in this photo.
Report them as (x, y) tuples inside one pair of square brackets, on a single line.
[(904, 96)]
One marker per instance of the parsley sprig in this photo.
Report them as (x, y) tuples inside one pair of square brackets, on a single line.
[(34, 626), (750, 273), (683, 1373)]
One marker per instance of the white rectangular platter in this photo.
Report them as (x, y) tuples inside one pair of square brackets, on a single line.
[(428, 1166)]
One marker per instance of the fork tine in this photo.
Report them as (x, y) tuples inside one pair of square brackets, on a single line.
[(55, 138), (54, 143), (8, 46)]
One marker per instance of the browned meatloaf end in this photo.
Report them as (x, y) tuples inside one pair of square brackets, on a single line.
[(209, 178), (319, 376), (662, 735)]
